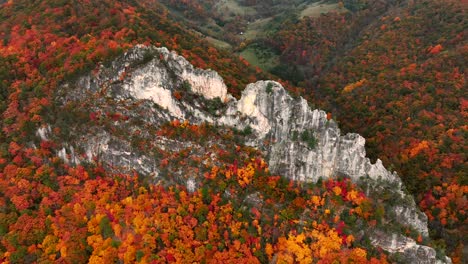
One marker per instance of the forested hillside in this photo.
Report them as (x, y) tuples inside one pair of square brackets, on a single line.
[(403, 87), (51, 211), (393, 71)]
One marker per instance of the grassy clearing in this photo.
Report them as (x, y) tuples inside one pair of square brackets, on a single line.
[(250, 56), (219, 43), (316, 9), (261, 58), (233, 8), (256, 29), (211, 29)]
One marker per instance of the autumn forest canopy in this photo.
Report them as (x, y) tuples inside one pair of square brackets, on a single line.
[(392, 71)]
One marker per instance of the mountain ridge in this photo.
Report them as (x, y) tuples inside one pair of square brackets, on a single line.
[(58, 154), (264, 107)]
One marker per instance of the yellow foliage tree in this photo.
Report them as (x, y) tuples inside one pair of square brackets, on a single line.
[(350, 87)]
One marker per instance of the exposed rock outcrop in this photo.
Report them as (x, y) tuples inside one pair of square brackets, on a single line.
[(407, 249), (299, 143), (304, 144)]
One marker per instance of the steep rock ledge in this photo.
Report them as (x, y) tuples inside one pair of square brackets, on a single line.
[(283, 121), (299, 143)]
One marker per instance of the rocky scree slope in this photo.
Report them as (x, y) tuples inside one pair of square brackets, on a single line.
[(154, 86)]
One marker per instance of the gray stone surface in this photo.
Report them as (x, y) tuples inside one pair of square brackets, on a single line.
[(299, 143)]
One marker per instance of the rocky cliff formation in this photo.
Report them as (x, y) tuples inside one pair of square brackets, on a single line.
[(299, 143)]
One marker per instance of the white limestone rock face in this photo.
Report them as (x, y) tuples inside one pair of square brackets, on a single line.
[(407, 248), (148, 77), (164, 73), (167, 69), (411, 213), (150, 83), (299, 143), (283, 121), (204, 82), (149, 73), (44, 132), (115, 152), (67, 154), (265, 106)]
